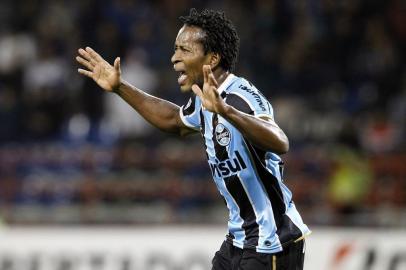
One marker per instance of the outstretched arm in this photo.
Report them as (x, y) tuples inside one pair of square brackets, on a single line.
[(159, 112), (263, 132)]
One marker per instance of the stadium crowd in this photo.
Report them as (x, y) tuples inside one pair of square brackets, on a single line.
[(69, 153)]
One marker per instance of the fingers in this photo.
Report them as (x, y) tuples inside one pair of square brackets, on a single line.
[(117, 65), (212, 80), (90, 55), (94, 54), (196, 89), (85, 72), (84, 62), (209, 76), (205, 74), (84, 54), (87, 61)]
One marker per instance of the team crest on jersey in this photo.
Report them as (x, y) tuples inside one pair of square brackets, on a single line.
[(223, 135)]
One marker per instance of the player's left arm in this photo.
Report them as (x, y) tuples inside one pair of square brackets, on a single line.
[(261, 131)]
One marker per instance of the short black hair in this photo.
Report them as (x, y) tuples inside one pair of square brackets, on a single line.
[(221, 36)]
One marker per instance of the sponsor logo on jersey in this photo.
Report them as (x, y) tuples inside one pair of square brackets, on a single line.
[(223, 135), (228, 167), (256, 96)]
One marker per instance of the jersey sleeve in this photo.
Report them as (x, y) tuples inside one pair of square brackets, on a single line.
[(246, 98), (190, 113)]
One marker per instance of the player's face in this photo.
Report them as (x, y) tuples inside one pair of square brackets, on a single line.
[(189, 57)]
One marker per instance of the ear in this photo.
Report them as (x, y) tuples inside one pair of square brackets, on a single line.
[(214, 60)]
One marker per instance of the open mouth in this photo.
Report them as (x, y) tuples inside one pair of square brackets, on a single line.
[(182, 77)]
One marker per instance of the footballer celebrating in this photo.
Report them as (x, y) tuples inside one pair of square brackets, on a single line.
[(242, 140)]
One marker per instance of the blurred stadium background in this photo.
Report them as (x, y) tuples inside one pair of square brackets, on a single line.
[(71, 154)]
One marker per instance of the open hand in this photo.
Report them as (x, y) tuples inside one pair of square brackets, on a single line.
[(104, 74), (210, 97)]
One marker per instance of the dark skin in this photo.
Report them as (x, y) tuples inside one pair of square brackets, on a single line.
[(200, 73)]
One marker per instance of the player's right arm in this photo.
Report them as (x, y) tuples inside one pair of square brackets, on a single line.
[(159, 112)]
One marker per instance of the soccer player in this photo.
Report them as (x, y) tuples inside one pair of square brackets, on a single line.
[(242, 140)]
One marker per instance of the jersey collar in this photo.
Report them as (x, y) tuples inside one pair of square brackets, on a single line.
[(227, 82)]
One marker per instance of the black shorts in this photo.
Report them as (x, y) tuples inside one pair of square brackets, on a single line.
[(233, 258)]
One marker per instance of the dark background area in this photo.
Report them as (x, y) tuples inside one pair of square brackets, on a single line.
[(334, 72)]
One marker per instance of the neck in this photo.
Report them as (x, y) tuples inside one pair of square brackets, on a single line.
[(220, 75)]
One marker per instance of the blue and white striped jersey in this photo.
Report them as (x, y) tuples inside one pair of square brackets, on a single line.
[(262, 215)]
